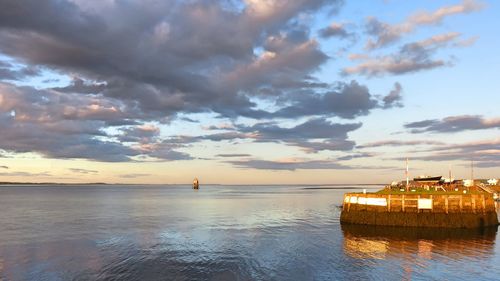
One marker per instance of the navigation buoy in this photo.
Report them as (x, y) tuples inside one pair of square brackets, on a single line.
[(196, 184)]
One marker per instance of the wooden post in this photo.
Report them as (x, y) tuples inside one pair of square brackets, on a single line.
[(389, 203), (446, 203), (484, 203), (473, 203), (403, 203), (349, 204), (432, 205), (460, 203), (418, 199)]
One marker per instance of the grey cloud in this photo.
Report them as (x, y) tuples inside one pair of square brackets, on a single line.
[(233, 155), (52, 141), (350, 100), (312, 136), (293, 165), (484, 153), (189, 120), (71, 126), (10, 72), (454, 124), (394, 98), (165, 57), (136, 63), (312, 129), (411, 57), (166, 149), (4, 167), (141, 134), (30, 104), (79, 85), (329, 145), (336, 30), (356, 156), (399, 143)]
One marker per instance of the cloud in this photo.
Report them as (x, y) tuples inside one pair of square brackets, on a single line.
[(484, 153), (10, 72), (435, 17), (298, 164), (356, 156), (398, 143), (453, 124), (233, 155), (26, 174), (411, 57), (336, 30), (145, 134), (350, 100), (394, 98), (311, 136), (78, 85), (288, 165), (162, 58), (68, 125), (384, 34), (48, 123), (136, 66), (83, 171), (4, 167), (327, 145), (133, 175)]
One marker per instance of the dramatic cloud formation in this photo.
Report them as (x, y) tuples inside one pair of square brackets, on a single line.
[(453, 124), (146, 81), (72, 126), (166, 57)]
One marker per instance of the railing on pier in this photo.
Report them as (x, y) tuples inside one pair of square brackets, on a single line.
[(416, 203)]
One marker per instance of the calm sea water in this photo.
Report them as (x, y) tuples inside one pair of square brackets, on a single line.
[(117, 232)]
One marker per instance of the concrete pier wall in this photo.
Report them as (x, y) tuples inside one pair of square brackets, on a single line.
[(452, 211)]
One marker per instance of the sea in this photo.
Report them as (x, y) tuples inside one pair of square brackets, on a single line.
[(221, 232)]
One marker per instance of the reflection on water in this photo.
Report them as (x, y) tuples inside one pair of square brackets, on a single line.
[(219, 233), (419, 248), (362, 241)]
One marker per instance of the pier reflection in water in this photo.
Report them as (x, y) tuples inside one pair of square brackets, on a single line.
[(423, 250)]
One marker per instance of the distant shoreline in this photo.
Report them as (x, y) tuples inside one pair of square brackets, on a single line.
[(309, 186), (51, 183)]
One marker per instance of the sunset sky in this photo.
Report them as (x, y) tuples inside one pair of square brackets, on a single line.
[(248, 92)]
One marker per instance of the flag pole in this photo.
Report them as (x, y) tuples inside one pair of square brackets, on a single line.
[(407, 178)]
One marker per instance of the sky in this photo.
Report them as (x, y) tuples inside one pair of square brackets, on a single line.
[(248, 91)]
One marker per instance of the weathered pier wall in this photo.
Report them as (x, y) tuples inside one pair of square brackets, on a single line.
[(413, 210)]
